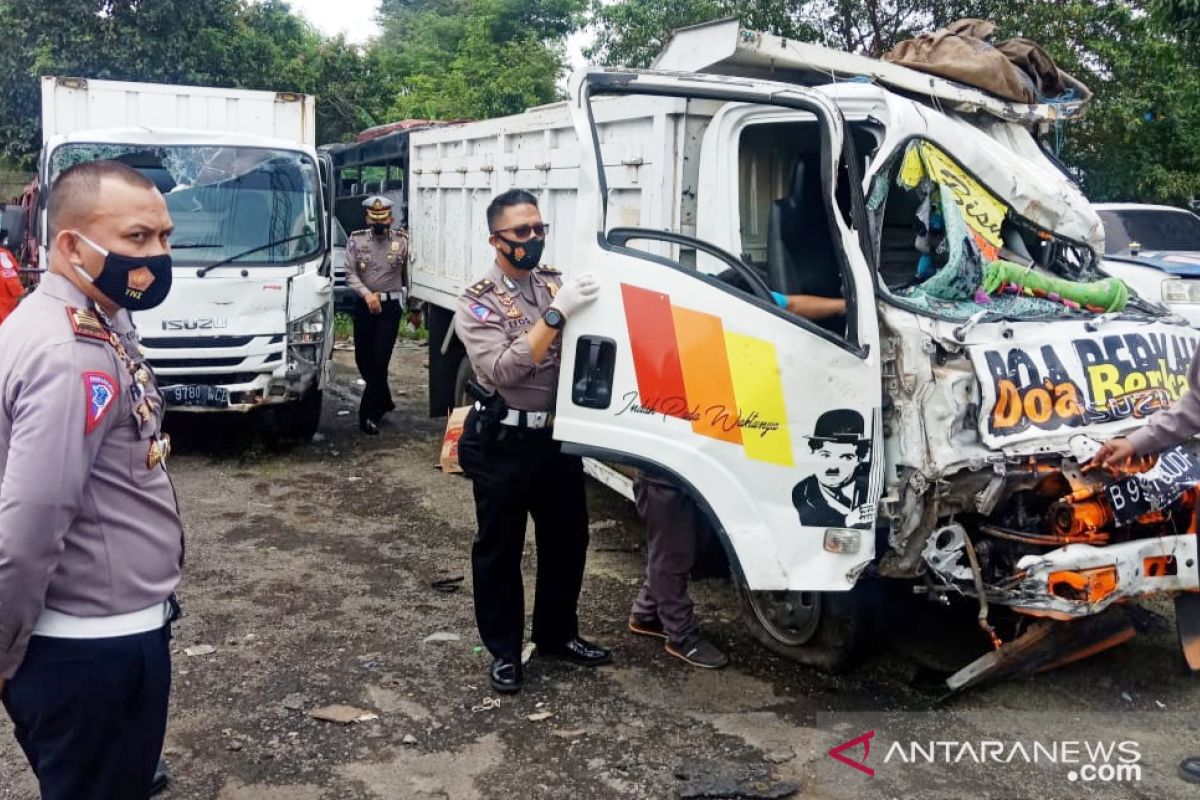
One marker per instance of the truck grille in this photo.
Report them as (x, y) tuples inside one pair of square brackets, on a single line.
[(198, 341), (209, 379), (185, 363)]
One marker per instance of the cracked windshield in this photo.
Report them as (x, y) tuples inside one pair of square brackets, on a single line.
[(255, 205)]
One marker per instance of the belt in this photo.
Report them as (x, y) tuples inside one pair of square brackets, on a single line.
[(390, 296), (533, 420), (57, 625)]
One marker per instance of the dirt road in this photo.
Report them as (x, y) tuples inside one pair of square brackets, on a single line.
[(309, 572)]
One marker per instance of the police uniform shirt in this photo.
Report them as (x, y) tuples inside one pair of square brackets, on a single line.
[(491, 320), (89, 524), (377, 263)]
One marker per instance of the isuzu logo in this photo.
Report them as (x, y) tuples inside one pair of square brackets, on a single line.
[(198, 324)]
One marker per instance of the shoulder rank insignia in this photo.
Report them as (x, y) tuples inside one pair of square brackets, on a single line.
[(86, 324), (100, 392), (548, 268), (480, 288)]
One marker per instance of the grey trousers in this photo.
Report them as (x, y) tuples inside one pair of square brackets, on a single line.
[(673, 523)]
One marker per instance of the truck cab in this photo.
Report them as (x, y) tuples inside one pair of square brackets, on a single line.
[(248, 323), (930, 440)]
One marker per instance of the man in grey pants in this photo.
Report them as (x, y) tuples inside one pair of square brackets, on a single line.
[(663, 607)]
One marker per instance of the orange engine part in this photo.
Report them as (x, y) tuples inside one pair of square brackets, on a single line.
[(1083, 521), (1092, 585)]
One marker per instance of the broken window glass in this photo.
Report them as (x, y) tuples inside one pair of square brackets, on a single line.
[(224, 201)]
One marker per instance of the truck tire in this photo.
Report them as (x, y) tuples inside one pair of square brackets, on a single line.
[(939, 637), (826, 630), (301, 419)]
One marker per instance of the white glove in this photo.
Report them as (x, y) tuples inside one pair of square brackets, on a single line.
[(575, 294)]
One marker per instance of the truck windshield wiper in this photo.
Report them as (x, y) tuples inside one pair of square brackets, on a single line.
[(200, 273)]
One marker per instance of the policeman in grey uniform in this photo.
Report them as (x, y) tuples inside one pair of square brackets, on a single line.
[(91, 542), (509, 322), (376, 269)]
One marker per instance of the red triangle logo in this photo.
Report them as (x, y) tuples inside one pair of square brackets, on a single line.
[(865, 741)]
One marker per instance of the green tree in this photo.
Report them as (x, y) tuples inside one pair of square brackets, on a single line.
[(224, 43), (474, 58), (1141, 137)]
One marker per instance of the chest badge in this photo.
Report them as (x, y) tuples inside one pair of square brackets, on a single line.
[(552, 287), (514, 313), (159, 452)]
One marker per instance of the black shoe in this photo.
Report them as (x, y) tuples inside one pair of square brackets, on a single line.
[(578, 651), (506, 676), (161, 777), (699, 652), (647, 626), (369, 427), (1189, 769)]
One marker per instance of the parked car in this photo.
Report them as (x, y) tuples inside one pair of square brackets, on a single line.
[(1156, 251)]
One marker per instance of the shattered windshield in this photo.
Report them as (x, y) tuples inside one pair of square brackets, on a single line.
[(224, 201), (951, 248), (1152, 228)]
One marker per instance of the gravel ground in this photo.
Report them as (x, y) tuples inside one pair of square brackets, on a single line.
[(309, 572)]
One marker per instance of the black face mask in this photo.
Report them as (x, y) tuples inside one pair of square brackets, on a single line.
[(379, 229), (113, 280), (524, 255)]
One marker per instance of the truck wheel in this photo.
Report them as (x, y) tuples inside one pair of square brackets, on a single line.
[(826, 630), (460, 382), (302, 420)]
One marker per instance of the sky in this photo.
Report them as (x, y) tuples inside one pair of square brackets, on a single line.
[(356, 19)]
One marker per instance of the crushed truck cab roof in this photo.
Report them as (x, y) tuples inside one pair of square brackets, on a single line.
[(725, 47)]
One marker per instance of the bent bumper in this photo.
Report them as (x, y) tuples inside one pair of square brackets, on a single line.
[(1079, 580)]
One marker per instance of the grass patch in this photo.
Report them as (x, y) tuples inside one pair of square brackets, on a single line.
[(343, 325)]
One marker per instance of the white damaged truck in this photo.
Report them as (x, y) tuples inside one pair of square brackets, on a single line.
[(248, 324), (916, 466)]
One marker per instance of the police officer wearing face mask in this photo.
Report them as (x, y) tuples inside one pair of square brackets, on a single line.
[(377, 269), (509, 322), (91, 542)]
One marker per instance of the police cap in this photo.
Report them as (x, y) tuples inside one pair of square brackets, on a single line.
[(379, 209)]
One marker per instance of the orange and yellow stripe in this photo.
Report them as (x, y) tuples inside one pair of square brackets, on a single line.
[(688, 366)]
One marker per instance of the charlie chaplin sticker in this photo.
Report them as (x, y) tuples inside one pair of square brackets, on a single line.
[(836, 495)]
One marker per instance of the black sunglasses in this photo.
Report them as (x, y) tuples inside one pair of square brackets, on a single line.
[(525, 231)]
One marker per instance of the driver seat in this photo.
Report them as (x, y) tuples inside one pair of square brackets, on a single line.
[(800, 247)]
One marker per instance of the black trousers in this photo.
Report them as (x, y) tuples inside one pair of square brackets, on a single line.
[(523, 474), (374, 340), (91, 714)]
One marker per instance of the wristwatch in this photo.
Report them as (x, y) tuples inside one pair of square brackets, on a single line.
[(554, 318)]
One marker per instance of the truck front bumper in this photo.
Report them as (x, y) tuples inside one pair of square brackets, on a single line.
[(254, 373)]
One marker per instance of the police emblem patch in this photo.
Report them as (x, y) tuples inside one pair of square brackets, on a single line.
[(100, 391), (481, 311)]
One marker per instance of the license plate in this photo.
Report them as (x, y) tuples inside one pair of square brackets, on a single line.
[(1177, 471), (196, 395)]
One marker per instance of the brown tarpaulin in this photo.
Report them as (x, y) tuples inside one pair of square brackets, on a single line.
[(1015, 69)]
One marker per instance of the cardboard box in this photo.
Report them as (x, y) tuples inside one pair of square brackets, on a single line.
[(454, 429)]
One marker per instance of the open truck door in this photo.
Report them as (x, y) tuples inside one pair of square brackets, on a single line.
[(771, 422)]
